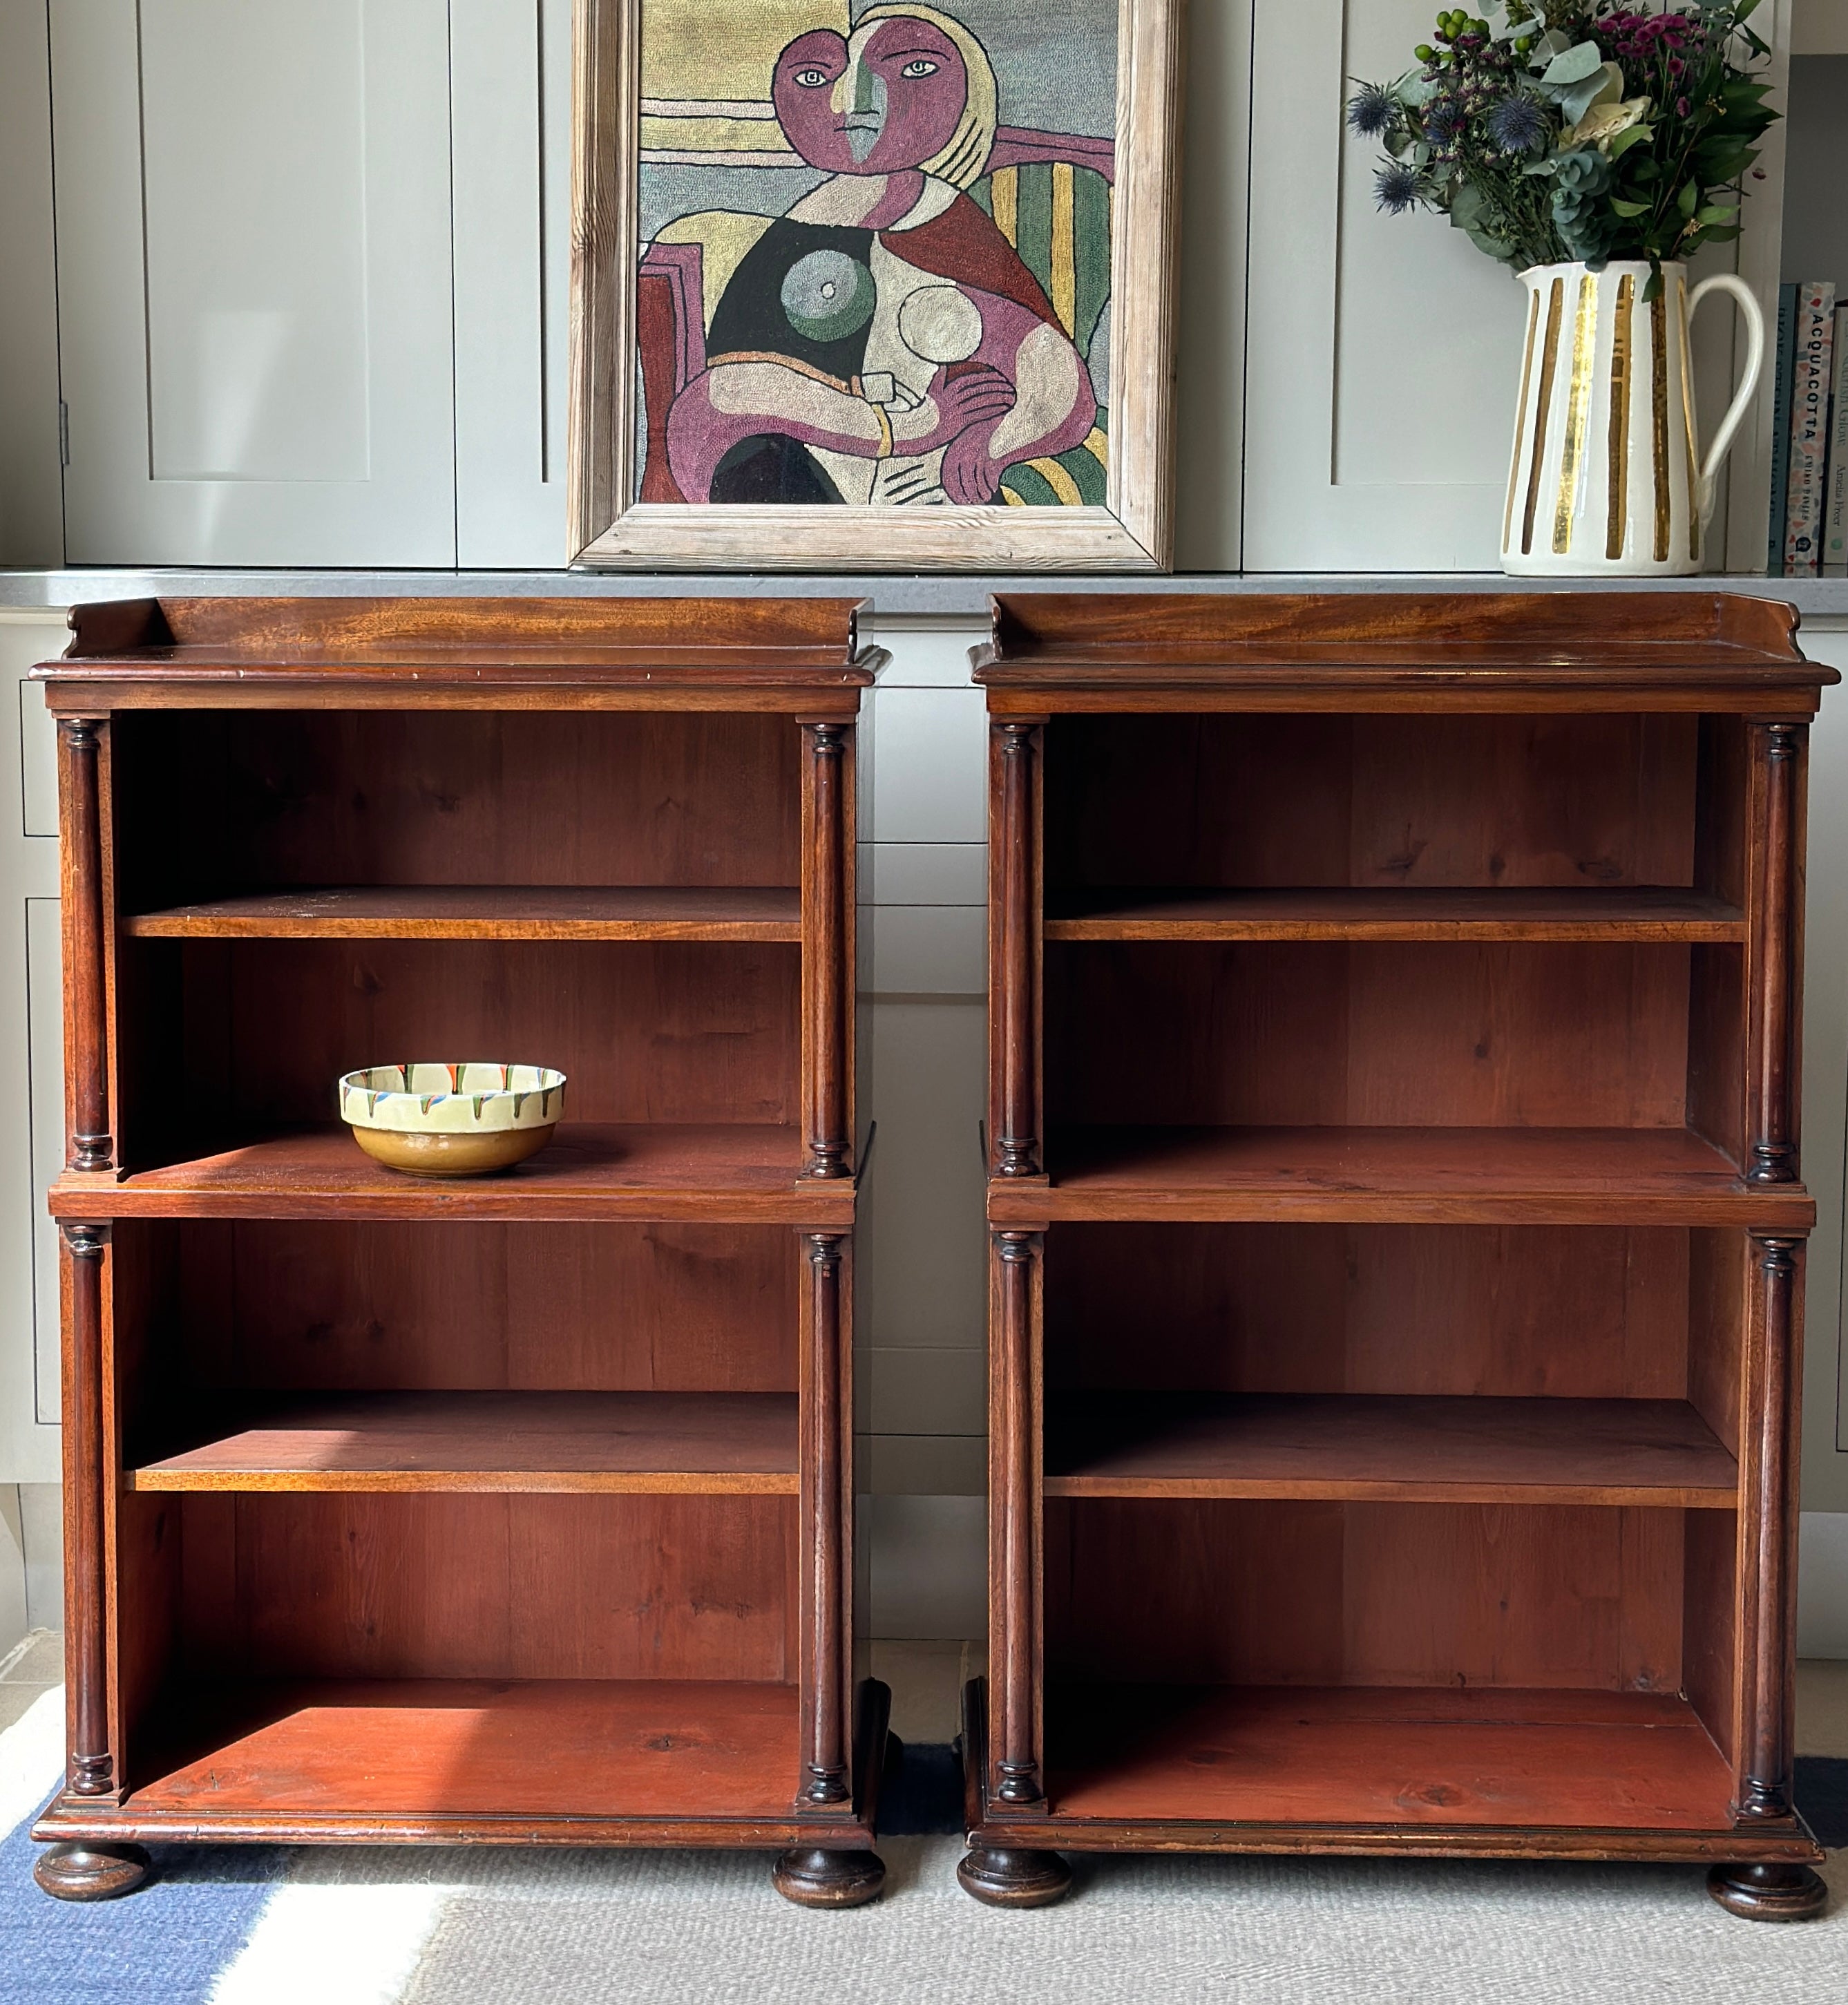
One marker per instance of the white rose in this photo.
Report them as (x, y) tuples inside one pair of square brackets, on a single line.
[(1603, 122)]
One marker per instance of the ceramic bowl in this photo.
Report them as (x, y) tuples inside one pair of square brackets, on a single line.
[(451, 1120)]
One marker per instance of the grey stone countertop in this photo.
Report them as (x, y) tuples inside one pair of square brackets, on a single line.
[(962, 597)]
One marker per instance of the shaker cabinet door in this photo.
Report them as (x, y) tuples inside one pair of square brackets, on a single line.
[(256, 327), (1382, 352), (510, 79)]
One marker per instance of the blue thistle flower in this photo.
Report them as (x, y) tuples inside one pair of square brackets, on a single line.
[(1443, 120), (1373, 112), (1518, 125), (1395, 188)]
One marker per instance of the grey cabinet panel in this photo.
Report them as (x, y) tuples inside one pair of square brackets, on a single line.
[(510, 83), (254, 272), (32, 1051)]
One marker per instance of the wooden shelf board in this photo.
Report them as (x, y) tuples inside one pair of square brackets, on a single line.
[(1490, 1176), (488, 911), (1416, 1758), (1387, 1449), (742, 1173), (670, 1749), (1648, 914), (702, 1444)]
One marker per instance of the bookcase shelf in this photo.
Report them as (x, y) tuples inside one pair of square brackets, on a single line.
[(557, 1760), (648, 1443), (1485, 1176), (1647, 913), (517, 1507), (1355, 1768), (487, 911), (1396, 1231), (736, 1172), (1385, 1449)]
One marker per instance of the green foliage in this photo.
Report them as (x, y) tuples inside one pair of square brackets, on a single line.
[(1577, 131)]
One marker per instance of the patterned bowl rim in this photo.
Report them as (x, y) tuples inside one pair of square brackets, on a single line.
[(465, 1107)]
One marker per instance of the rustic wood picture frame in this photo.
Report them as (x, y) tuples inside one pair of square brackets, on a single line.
[(609, 527)]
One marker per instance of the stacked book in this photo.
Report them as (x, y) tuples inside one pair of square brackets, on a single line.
[(1809, 451)]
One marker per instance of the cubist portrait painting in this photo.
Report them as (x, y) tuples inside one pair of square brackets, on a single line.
[(875, 243)]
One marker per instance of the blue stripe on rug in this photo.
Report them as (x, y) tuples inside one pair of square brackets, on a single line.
[(164, 1944)]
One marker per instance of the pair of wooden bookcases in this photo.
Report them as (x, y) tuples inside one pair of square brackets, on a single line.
[(1396, 1231)]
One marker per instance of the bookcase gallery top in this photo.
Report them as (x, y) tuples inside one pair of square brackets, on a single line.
[(799, 655), (1695, 651)]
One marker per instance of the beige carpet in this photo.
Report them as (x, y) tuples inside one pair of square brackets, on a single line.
[(510, 1930)]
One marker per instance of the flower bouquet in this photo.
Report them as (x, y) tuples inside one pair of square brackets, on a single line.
[(1572, 139), (1577, 132)]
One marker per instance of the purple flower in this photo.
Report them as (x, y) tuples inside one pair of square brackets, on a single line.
[(1373, 111), (1682, 107), (1395, 188), (1518, 125)]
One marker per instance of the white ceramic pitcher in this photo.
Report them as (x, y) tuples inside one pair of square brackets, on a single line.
[(1607, 478)]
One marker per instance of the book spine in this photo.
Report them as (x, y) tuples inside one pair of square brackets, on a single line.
[(1809, 425), (1780, 430), (1834, 513)]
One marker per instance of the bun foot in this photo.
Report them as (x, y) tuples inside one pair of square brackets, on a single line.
[(1768, 1893), (90, 1872), (1005, 1878), (818, 1878)]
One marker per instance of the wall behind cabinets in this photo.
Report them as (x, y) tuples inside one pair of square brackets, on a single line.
[(311, 293)]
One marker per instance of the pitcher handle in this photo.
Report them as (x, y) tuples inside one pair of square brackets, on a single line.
[(1729, 281)]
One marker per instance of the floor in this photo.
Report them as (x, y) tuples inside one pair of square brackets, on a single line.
[(33, 1665)]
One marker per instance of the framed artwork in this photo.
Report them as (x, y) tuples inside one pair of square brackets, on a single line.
[(873, 283)]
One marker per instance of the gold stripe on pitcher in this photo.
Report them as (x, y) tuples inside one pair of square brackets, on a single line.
[(1572, 453), (1521, 421), (1618, 452), (1658, 399), (1548, 359), (1680, 301)]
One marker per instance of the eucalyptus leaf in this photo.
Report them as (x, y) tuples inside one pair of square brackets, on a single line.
[(1579, 62), (1603, 86)]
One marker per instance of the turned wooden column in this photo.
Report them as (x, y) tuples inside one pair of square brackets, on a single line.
[(827, 953), (826, 1496), (1014, 845), (1014, 1461), (1777, 752), (91, 1769), (85, 980), (1767, 1533)]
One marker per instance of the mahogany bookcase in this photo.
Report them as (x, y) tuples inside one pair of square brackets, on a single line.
[(1396, 1230), (516, 1508)]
